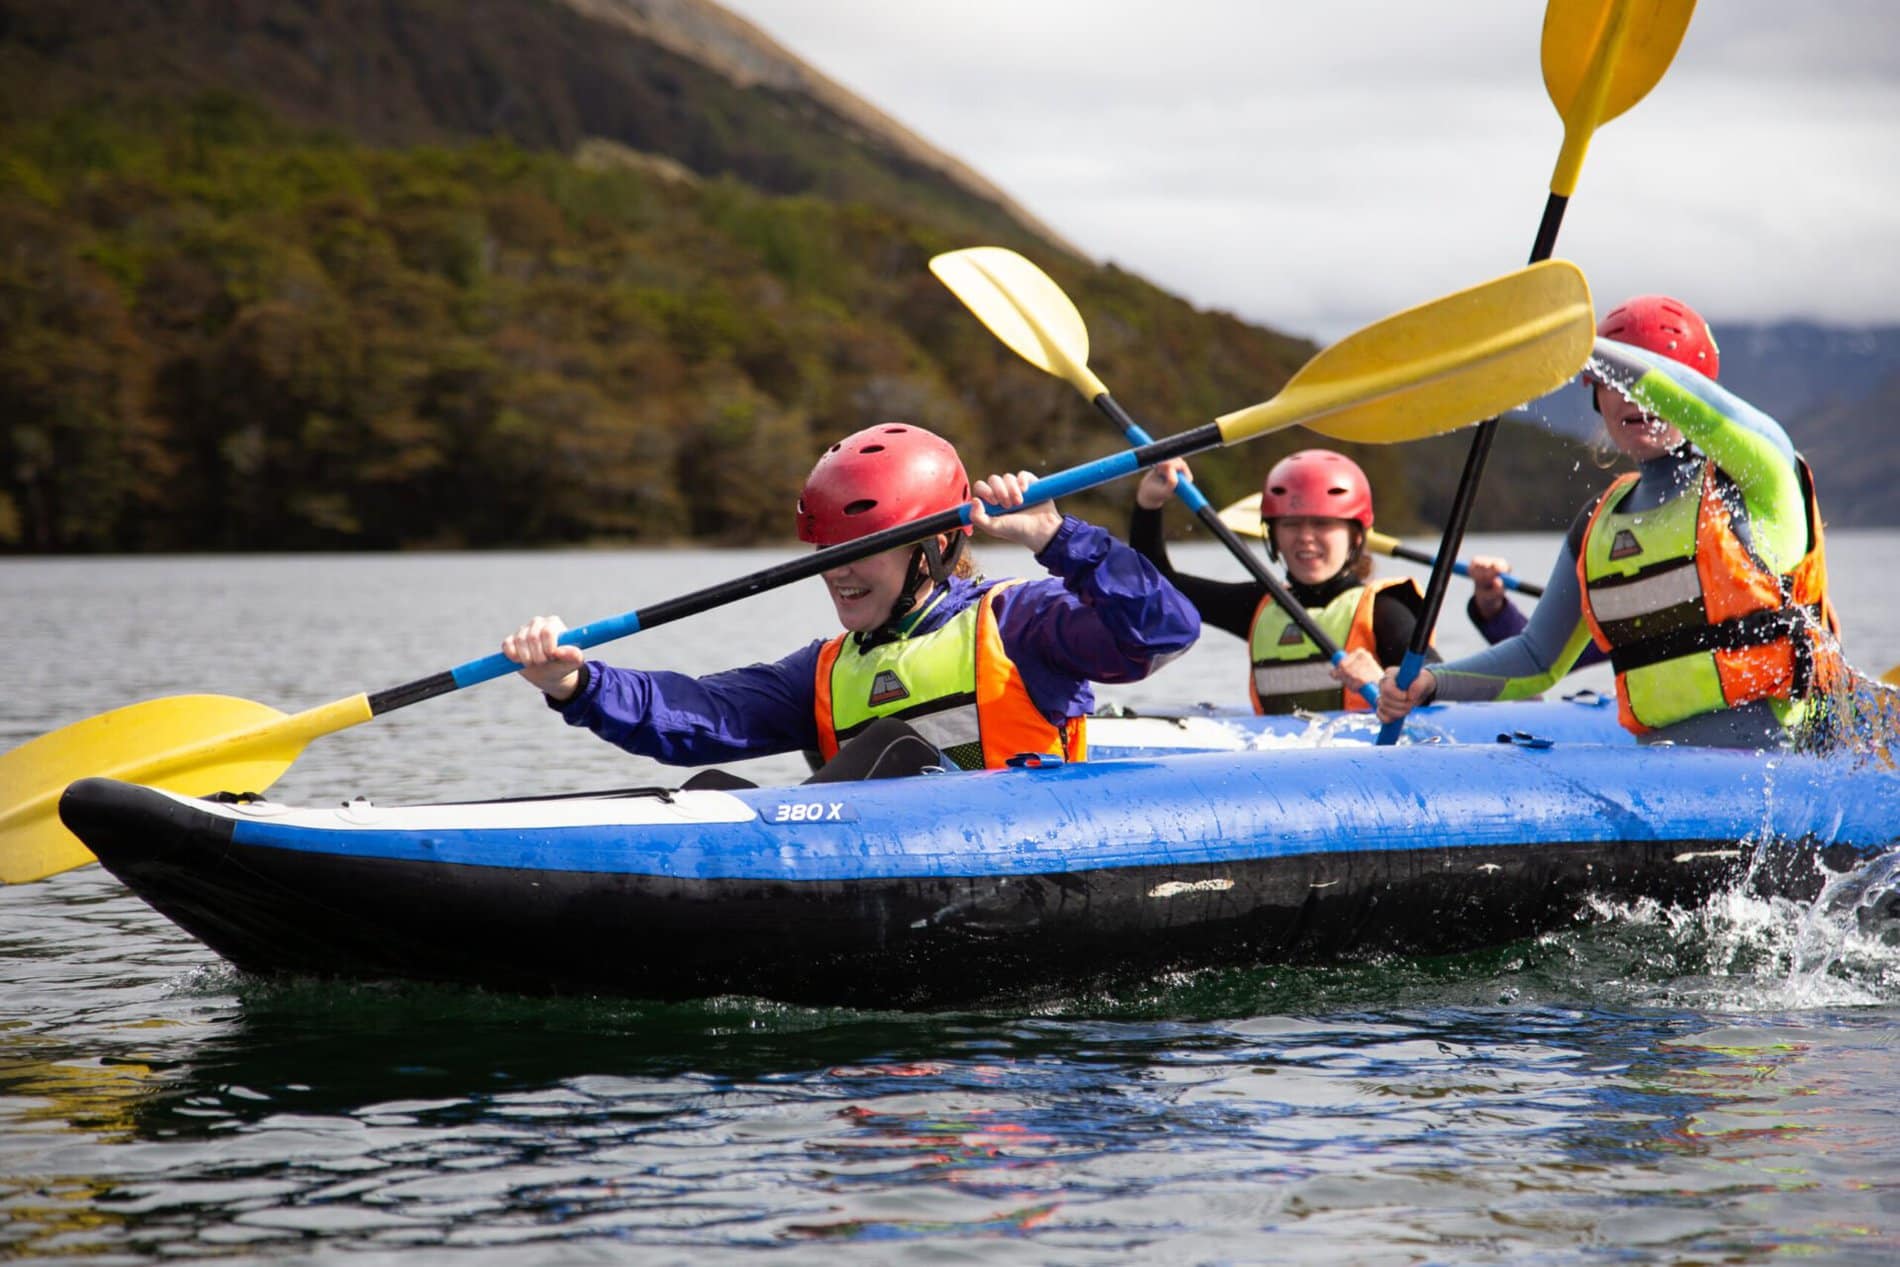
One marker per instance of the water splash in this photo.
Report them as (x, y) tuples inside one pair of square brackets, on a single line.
[(1854, 714), (1748, 952), (1857, 912)]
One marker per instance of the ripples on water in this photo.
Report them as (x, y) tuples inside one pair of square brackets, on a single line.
[(1650, 1086)]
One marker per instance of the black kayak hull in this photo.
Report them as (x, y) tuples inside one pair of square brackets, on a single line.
[(914, 938)]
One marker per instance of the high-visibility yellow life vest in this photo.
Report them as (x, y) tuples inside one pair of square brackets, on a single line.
[(956, 685), (1693, 620), (1289, 672)]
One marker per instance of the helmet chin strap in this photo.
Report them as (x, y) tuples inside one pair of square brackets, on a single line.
[(927, 563)]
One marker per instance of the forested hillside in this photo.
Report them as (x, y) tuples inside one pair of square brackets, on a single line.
[(253, 303)]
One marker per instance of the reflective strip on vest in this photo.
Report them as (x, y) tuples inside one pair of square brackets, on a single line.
[(1682, 577), (1648, 595), (1294, 679), (1290, 672), (948, 727)]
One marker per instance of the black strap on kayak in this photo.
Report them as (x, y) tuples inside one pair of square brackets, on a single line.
[(611, 794)]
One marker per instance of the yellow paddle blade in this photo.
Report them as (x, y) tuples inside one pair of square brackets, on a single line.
[(52, 1092), (1892, 676), (1600, 58), (1243, 516), (1442, 365), (1024, 308), (1379, 543), (194, 744)]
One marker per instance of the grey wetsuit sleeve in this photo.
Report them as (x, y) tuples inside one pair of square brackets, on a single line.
[(1530, 663)]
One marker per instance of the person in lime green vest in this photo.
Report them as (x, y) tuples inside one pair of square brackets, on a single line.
[(1317, 507), (1702, 574), (935, 665)]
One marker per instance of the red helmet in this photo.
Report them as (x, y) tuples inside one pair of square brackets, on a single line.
[(1317, 482), (1665, 326), (878, 478)]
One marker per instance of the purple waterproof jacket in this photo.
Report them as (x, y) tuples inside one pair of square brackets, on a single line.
[(1104, 614)]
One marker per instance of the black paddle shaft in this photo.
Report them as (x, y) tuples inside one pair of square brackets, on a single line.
[(1262, 573), (1256, 568)]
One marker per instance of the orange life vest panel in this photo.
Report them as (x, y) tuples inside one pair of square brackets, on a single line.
[(964, 694), (1765, 636)]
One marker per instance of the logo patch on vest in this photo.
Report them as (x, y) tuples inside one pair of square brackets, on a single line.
[(1624, 544), (1292, 635), (887, 686)]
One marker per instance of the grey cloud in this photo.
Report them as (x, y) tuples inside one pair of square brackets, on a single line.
[(1313, 166)]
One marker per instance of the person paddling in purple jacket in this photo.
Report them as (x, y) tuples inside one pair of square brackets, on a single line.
[(936, 665)]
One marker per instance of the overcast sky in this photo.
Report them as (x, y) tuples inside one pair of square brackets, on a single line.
[(1316, 165)]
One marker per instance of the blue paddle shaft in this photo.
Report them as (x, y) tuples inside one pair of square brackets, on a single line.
[(592, 634), (1061, 484), (1079, 478), (1408, 673), (1507, 579), (1074, 480), (1184, 485), (1197, 502)]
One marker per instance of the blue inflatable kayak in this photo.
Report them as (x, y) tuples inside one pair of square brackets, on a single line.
[(987, 886)]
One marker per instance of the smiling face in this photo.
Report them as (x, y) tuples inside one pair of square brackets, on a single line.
[(1313, 548), (864, 592), (1641, 435)]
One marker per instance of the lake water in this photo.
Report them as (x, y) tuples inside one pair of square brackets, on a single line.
[(1651, 1086)]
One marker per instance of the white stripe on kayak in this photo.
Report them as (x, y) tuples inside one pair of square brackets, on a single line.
[(1174, 888), (616, 811)]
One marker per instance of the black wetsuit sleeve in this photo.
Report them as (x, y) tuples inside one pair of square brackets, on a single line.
[(1395, 614), (1227, 605)]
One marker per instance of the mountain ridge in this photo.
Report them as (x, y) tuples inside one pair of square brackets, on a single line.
[(399, 273), (547, 74), (744, 51)]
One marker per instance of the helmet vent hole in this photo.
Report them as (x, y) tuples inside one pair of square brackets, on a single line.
[(872, 448), (860, 506)]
